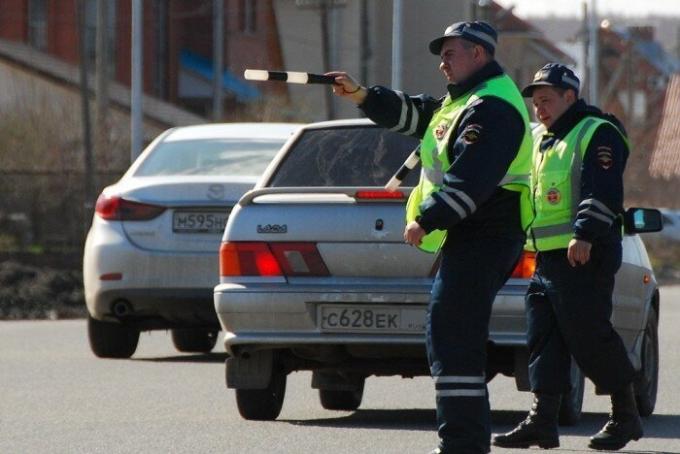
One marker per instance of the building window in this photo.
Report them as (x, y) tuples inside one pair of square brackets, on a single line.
[(248, 16), (37, 23)]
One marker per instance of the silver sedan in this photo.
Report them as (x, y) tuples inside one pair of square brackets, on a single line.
[(315, 276)]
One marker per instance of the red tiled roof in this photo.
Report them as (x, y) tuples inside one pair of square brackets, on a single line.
[(665, 160)]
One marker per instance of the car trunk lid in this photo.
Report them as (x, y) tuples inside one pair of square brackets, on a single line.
[(355, 236), (197, 209)]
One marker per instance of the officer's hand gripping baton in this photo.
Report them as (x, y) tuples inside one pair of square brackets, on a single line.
[(291, 77), (405, 168)]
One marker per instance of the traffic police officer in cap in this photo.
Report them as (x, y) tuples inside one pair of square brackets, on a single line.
[(475, 156), (577, 182)]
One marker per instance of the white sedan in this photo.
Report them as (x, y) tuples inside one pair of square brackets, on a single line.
[(151, 255)]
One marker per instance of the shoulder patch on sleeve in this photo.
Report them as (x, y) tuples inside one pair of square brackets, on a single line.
[(604, 157), (471, 133)]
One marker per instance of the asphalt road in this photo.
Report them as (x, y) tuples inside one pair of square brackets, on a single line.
[(56, 397)]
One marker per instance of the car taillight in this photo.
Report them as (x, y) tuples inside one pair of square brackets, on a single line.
[(526, 266), (379, 195), (248, 259), (115, 208), (271, 259), (299, 259)]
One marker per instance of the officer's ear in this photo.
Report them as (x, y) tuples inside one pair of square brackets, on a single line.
[(482, 53), (570, 96)]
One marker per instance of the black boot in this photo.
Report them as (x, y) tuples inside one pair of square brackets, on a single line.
[(624, 423), (539, 429)]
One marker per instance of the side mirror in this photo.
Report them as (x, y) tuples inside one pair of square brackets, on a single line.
[(642, 220)]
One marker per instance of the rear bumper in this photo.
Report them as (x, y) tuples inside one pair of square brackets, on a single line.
[(164, 289), (257, 316), (160, 308)]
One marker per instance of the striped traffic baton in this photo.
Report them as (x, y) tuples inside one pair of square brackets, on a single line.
[(405, 168), (291, 77)]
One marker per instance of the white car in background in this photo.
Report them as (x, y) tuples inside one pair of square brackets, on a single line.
[(151, 255)]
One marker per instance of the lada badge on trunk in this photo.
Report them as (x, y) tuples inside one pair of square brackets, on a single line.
[(272, 228)]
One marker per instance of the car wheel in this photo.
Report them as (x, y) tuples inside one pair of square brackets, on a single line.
[(111, 339), (572, 402), (646, 383), (191, 340), (263, 404), (342, 400)]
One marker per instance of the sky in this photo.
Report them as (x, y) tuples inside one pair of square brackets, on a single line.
[(532, 8)]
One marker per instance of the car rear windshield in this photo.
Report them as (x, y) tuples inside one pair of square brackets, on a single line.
[(210, 157), (347, 156)]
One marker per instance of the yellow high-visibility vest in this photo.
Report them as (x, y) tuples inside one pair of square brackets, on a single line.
[(556, 185), (435, 160)]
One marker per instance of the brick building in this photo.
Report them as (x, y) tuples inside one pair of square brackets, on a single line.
[(177, 42)]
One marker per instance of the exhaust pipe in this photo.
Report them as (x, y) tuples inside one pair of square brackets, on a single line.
[(121, 308)]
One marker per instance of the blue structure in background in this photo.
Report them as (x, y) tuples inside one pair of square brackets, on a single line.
[(202, 66)]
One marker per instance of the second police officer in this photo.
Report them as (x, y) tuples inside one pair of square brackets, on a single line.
[(577, 180)]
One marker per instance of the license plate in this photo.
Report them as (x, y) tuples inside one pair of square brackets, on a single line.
[(355, 318), (199, 221)]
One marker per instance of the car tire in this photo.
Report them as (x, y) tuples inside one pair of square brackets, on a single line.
[(111, 339), (191, 340), (263, 404), (572, 402), (646, 383), (342, 400)]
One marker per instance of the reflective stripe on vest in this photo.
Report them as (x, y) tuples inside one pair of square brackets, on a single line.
[(435, 159), (556, 185)]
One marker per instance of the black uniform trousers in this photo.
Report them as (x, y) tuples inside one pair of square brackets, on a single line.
[(568, 313), (471, 273)]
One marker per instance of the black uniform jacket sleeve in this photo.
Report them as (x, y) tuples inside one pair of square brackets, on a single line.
[(398, 112), (601, 185)]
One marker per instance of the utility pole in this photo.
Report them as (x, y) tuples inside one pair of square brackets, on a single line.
[(484, 11), (136, 92), (324, 7), (85, 113), (585, 36), (364, 43), (397, 43), (630, 84), (326, 56), (594, 54), (102, 73), (218, 59)]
